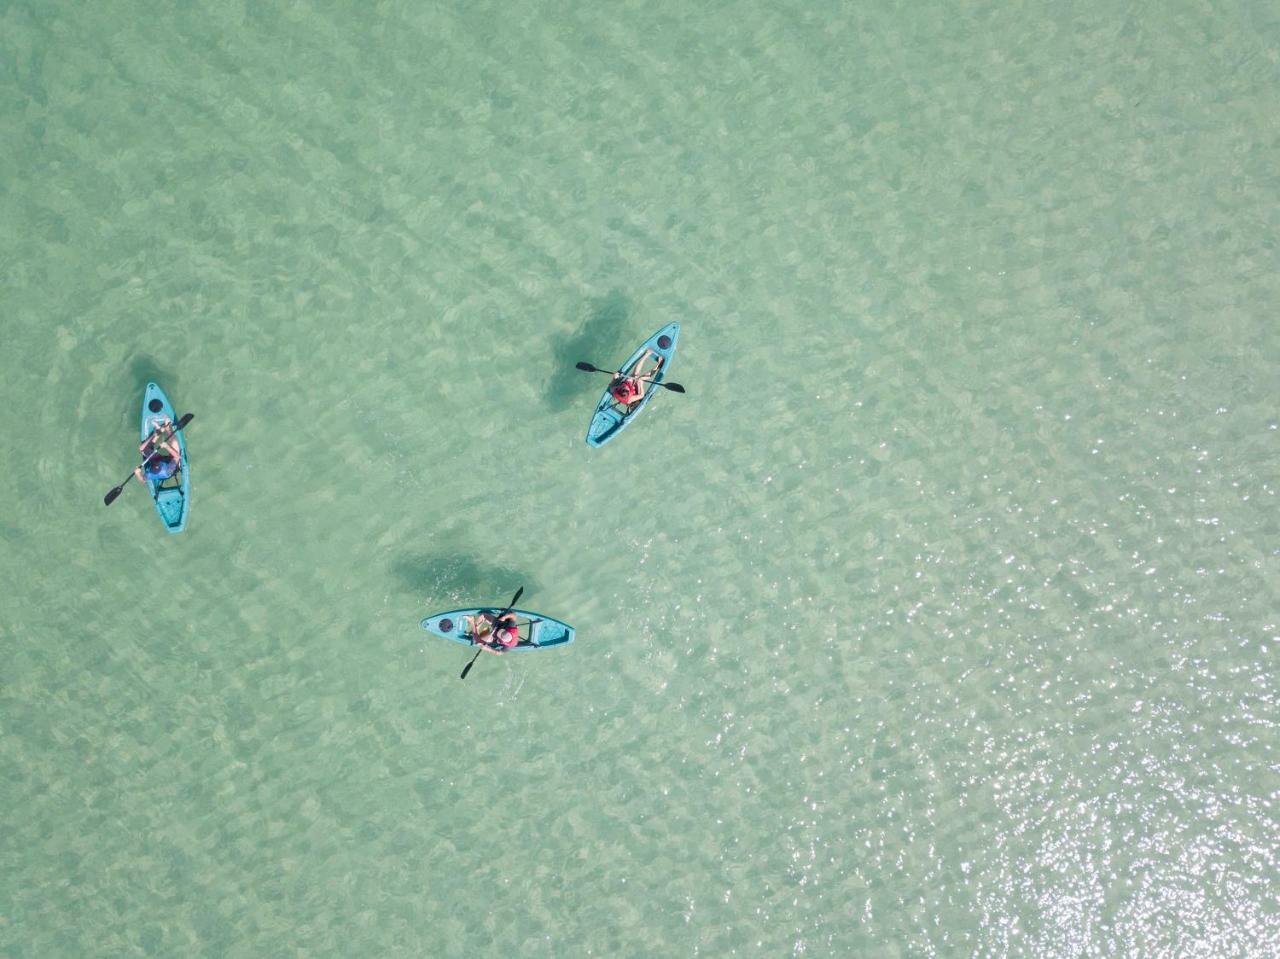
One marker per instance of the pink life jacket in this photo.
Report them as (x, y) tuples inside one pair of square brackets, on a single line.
[(627, 391)]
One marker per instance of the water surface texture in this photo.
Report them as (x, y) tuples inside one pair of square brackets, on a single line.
[(938, 618)]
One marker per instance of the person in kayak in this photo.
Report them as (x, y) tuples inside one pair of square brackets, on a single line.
[(628, 389), (496, 636), (161, 454)]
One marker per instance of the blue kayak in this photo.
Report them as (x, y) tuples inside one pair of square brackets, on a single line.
[(536, 631), (611, 417), (173, 495)]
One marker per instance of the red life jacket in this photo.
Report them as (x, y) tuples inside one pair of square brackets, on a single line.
[(627, 391)]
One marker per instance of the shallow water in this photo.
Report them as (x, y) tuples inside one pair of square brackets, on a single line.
[(937, 618)]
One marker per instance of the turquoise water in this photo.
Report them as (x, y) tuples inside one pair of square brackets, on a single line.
[(937, 618)]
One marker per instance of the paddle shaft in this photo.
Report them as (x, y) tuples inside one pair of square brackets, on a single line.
[(589, 368)]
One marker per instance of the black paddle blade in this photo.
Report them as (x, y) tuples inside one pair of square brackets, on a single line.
[(186, 418), (673, 387), (111, 496), (588, 368), (511, 605), (467, 668)]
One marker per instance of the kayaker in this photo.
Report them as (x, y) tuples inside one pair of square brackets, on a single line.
[(496, 636), (629, 389), (161, 453)]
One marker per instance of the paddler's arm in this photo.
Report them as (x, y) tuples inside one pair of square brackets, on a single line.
[(160, 435)]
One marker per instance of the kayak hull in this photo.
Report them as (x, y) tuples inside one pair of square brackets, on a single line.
[(536, 631), (172, 496), (609, 419)]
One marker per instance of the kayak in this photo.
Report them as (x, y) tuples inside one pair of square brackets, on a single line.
[(172, 496), (611, 417), (536, 631)]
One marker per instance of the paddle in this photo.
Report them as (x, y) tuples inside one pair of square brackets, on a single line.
[(588, 368), (514, 599), (111, 497)]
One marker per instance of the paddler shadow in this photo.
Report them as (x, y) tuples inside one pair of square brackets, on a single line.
[(460, 580), (144, 369), (597, 341)]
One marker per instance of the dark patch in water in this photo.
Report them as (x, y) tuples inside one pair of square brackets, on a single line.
[(599, 341), (457, 580)]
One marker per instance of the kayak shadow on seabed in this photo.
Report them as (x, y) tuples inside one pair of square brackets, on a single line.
[(144, 369), (441, 581), (597, 341)]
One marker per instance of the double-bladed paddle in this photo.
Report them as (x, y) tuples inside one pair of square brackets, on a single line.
[(588, 368), (514, 599), (115, 491)]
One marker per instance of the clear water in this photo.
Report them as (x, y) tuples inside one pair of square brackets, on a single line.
[(938, 618)]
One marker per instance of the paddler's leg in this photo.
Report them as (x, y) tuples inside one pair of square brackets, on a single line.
[(636, 371), (162, 431), (478, 639), (644, 381), (478, 627), (648, 375)]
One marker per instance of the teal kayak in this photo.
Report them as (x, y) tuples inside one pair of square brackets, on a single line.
[(611, 417), (173, 495), (536, 631)]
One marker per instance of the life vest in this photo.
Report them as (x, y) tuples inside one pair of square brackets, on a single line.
[(160, 467), (627, 391)]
